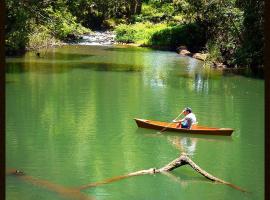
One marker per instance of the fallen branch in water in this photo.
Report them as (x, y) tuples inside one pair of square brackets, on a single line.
[(183, 159), (75, 193)]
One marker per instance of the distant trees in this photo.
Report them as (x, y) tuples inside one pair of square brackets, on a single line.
[(232, 29), (59, 19), (37, 21), (17, 26), (92, 13), (251, 51)]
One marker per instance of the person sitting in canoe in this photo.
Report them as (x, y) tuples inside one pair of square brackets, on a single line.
[(188, 120)]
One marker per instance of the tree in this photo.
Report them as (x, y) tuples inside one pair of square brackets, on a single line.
[(251, 52)]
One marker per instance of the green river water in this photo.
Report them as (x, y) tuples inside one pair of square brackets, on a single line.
[(69, 121)]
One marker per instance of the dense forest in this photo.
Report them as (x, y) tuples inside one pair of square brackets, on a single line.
[(230, 32)]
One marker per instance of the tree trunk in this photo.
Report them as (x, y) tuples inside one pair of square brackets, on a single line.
[(135, 7), (139, 7), (132, 7)]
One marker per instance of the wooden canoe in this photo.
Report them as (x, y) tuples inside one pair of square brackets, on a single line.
[(196, 129)]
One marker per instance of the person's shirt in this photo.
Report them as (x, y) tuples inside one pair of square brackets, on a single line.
[(191, 117)]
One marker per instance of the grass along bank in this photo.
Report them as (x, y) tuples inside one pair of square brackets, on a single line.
[(186, 39), (162, 35)]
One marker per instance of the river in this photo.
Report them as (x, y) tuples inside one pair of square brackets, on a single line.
[(69, 121)]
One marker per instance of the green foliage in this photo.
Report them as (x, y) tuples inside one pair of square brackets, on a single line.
[(15, 42), (156, 14), (125, 33), (162, 35), (40, 37), (140, 33), (33, 24), (17, 28), (231, 31), (235, 27), (95, 13), (63, 23), (214, 52), (87, 12), (112, 23), (251, 52), (190, 35)]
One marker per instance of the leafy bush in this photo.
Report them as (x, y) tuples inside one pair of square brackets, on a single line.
[(140, 33), (190, 35), (40, 37), (162, 35), (214, 53), (16, 28), (112, 23), (35, 25), (155, 13), (63, 23)]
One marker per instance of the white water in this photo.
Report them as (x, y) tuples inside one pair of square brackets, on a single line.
[(98, 38)]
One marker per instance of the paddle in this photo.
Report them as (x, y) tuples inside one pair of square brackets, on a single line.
[(171, 122)]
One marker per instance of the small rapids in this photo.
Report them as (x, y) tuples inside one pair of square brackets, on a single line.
[(98, 38)]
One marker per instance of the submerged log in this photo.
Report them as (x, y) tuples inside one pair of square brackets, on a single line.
[(69, 193)]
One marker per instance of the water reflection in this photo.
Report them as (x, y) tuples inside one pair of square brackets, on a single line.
[(127, 48), (60, 55), (192, 65), (188, 145), (200, 84), (184, 142), (158, 79), (77, 114), (48, 67), (157, 69), (160, 69), (201, 75)]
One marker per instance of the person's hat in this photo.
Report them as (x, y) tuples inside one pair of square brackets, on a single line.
[(188, 109)]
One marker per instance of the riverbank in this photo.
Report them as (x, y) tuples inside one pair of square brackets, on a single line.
[(232, 34), (107, 38), (185, 39), (183, 51)]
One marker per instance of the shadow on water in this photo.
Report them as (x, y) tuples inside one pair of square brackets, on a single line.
[(11, 81), (246, 72), (112, 67), (45, 57), (65, 55), (48, 67), (201, 74), (127, 49), (14, 68)]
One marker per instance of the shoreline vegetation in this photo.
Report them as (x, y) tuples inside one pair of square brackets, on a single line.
[(224, 35)]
